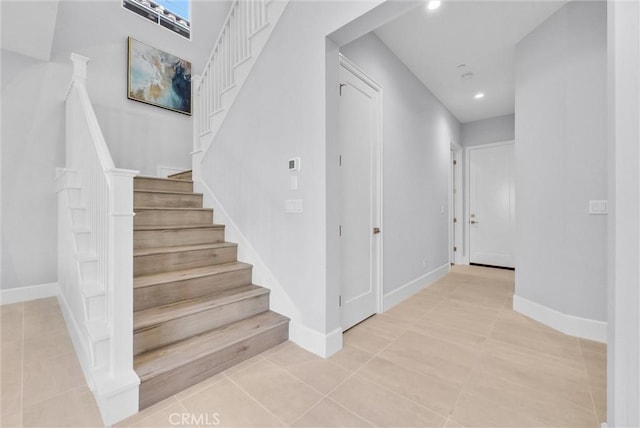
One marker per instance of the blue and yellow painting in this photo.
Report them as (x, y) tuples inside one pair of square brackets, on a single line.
[(159, 78)]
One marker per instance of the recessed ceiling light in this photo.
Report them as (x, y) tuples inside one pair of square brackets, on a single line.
[(433, 4), (479, 95)]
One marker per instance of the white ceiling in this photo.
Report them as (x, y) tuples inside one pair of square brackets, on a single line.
[(480, 34)]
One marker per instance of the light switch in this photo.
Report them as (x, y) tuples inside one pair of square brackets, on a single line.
[(293, 205), (598, 207)]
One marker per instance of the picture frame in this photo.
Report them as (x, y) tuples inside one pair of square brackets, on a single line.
[(158, 78)]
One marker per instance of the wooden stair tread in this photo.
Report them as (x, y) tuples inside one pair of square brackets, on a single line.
[(171, 209), (162, 360), (185, 274), (166, 192), (180, 173), (146, 177), (180, 226), (181, 248), (153, 316)]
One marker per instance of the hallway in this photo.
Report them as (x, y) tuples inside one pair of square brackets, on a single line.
[(453, 355)]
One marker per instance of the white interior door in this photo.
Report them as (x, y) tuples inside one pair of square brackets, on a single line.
[(359, 141), (492, 205)]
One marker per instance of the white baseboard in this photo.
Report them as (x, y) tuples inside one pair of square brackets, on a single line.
[(404, 292), (26, 294), (324, 345), (568, 324)]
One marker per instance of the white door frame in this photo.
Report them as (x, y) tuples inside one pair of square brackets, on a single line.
[(467, 193), (378, 170), (455, 205)]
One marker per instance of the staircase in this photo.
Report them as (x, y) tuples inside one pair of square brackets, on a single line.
[(196, 311)]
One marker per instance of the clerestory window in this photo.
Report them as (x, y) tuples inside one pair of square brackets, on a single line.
[(174, 15)]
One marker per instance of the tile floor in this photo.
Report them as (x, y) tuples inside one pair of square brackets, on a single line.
[(453, 355)]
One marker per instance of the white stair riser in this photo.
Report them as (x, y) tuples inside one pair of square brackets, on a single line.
[(172, 217), (163, 294), (157, 263), (100, 351), (79, 217), (191, 325), (146, 199), (141, 183), (155, 389), (176, 237)]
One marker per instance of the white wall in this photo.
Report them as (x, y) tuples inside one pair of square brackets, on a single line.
[(280, 113), (492, 130), (623, 350), (139, 136), (561, 162), (417, 130)]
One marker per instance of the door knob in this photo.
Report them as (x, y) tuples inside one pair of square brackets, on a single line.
[(376, 230)]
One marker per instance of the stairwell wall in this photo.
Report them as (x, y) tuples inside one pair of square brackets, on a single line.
[(279, 114), (139, 136)]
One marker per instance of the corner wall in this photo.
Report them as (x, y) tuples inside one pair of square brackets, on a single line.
[(492, 130), (561, 157)]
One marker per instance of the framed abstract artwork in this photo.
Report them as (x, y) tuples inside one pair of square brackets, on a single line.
[(158, 78)]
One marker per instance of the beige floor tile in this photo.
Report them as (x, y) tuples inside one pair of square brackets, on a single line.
[(447, 333), (147, 412), (465, 316), (383, 326), (322, 375), (233, 406), (39, 324), (11, 393), (47, 378), (55, 343), (541, 408), (350, 357), (11, 420), (415, 307), (477, 411), (535, 370), (177, 415), (288, 354), (430, 355), (75, 408), (277, 390), (365, 340), (330, 414), (382, 407), (430, 391), (11, 322), (452, 423), (520, 331)]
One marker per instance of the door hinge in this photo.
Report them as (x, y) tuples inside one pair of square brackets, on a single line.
[(455, 162), (340, 301), (340, 160), (341, 85), (340, 230), (455, 220), (455, 249)]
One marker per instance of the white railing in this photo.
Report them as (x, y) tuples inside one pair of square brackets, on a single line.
[(232, 48), (242, 38), (97, 288)]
